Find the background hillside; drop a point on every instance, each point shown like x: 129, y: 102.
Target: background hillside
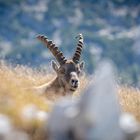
x: 24, y: 114
x: 111, y: 30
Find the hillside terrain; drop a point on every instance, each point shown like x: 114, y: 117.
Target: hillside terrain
x: 111, y: 30
x: 28, y: 111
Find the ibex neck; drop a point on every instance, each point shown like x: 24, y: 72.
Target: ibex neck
x: 58, y: 85
x: 56, y: 82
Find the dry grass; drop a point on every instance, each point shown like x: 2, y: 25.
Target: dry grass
x: 14, y: 98
x: 15, y: 95
x: 130, y: 100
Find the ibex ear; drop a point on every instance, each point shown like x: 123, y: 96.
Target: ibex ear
x: 82, y: 64
x: 55, y: 66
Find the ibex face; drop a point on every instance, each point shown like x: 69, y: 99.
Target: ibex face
x: 68, y: 74
x: 68, y: 71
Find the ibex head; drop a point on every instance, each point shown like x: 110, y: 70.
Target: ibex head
x: 68, y: 71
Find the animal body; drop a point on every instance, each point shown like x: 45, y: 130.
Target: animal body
x: 68, y: 71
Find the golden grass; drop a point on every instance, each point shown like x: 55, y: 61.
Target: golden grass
x: 13, y: 94
x: 14, y: 97
x: 130, y: 100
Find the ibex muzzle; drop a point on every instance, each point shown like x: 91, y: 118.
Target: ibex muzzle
x: 68, y: 71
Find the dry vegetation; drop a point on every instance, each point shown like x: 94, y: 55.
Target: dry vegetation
x: 130, y: 100
x: 15, y: 98
x: 18, y: 102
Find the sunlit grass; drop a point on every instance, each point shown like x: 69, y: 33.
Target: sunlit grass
x: 15, y: 96
x: 130, y: 100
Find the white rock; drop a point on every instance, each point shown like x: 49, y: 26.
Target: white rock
x: 128, y: 123
x: 42, y: 115
x: 29, y: 112
x: 5, y: 125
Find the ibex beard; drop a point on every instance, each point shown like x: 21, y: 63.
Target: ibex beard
x: 68, y: 71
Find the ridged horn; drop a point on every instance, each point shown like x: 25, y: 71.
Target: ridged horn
x: 54, y: 50
x: 77, y: 55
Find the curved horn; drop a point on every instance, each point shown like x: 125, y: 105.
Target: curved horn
x: 51, y: 46
x: 77, y: 55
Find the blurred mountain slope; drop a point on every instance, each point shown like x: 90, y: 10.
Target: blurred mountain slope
x: 111, y: 30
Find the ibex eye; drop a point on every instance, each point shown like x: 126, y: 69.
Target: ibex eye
x: 62, y: 71
x: 78, y: 72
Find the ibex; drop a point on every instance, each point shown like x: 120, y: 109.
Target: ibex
x: 68, y: 71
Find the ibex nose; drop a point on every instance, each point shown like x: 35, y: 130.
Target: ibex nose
x: 74, y: 83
